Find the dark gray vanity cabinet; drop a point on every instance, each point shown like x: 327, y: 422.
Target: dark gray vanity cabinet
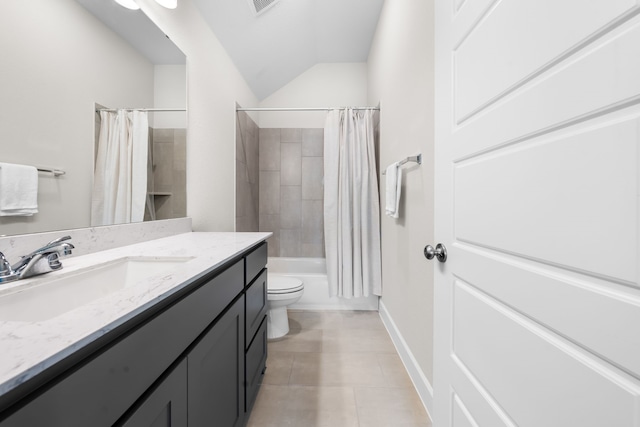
x: 196, y: 360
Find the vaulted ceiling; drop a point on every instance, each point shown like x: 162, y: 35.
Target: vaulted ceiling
x: 273, y: 48
x: 137, y: 29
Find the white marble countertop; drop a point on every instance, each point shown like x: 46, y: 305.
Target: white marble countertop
x: 29, y: 348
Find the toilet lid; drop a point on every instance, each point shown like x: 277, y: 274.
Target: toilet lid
x: 277, y: 284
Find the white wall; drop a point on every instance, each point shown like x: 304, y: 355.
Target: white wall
x: 401, y: 79
x: 214, y: 85
x: 169, y: 91
x: 323, y: 85
x: 57, y: 61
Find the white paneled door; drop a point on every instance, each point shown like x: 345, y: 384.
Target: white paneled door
x: 537, y: 308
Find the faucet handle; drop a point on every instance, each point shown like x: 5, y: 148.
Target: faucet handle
x: 5, y: 266
x: 58, y: 240
x: 49, y: 246
x: 6, y: 272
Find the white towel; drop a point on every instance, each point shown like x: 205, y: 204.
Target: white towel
x: 18, y: 190
x: 393, y: 188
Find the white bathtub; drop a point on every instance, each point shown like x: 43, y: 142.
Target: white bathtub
x: 313, y: 272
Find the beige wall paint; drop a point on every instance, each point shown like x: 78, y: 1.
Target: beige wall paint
x: 214, y: 86
x: 169, y: 91
x: 323, y: 85
x: 401, y: 79
x: 57, y: 61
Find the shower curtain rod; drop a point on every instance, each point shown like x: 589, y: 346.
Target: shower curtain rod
x: 151, y: 110
x: 304, y: 108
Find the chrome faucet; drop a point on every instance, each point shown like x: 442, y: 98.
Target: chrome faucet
x: 40, y: 261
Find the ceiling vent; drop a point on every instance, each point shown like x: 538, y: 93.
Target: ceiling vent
x: 261, y: 6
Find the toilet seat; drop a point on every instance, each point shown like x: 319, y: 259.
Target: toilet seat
x: 278, y: 285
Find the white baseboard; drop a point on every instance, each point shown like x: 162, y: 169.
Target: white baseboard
x: 420, y: 382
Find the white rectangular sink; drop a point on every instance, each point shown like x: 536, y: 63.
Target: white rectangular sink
x: 66, y: 292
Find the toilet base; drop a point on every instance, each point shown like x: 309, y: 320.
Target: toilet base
x: 277, y: 323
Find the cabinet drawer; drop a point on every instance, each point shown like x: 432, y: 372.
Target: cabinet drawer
x: 255, y: 262
x: 256, y: 306
x: 255, y: 364
x: 102, y: 389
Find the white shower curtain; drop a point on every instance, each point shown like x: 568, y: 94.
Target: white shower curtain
x: 351, y: 205
x: 120, y: 177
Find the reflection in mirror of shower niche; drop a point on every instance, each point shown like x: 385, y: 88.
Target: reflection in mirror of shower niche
x: 167, y: 183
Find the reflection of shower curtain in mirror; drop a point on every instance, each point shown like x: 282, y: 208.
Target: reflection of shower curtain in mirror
x: 120, y: 177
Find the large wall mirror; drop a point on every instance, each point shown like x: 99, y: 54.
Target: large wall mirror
x: 61, y: 59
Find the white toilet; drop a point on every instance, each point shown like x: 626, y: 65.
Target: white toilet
x: 282, y: 291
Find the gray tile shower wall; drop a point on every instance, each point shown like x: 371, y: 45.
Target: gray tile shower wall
x: 170, y: 173
x: 291, y: 191
x: 247, y: 173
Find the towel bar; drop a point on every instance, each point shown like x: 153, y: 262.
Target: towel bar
x: 55, y: 172
x: 417, y: 159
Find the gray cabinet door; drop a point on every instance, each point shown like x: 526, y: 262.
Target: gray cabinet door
x: 216, y: 373
x: 166, y: 405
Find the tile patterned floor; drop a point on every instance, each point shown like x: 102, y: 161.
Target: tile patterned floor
x: 336, y: 369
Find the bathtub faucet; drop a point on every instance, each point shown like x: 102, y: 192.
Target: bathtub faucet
x: 40, y: 261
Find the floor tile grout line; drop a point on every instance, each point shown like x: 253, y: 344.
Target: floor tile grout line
x: 355, y: 402
x: 293, y: 361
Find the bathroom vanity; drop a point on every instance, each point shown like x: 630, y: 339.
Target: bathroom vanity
x: 186, y: 347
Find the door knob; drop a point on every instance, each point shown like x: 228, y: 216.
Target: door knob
x: 439, y: 252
